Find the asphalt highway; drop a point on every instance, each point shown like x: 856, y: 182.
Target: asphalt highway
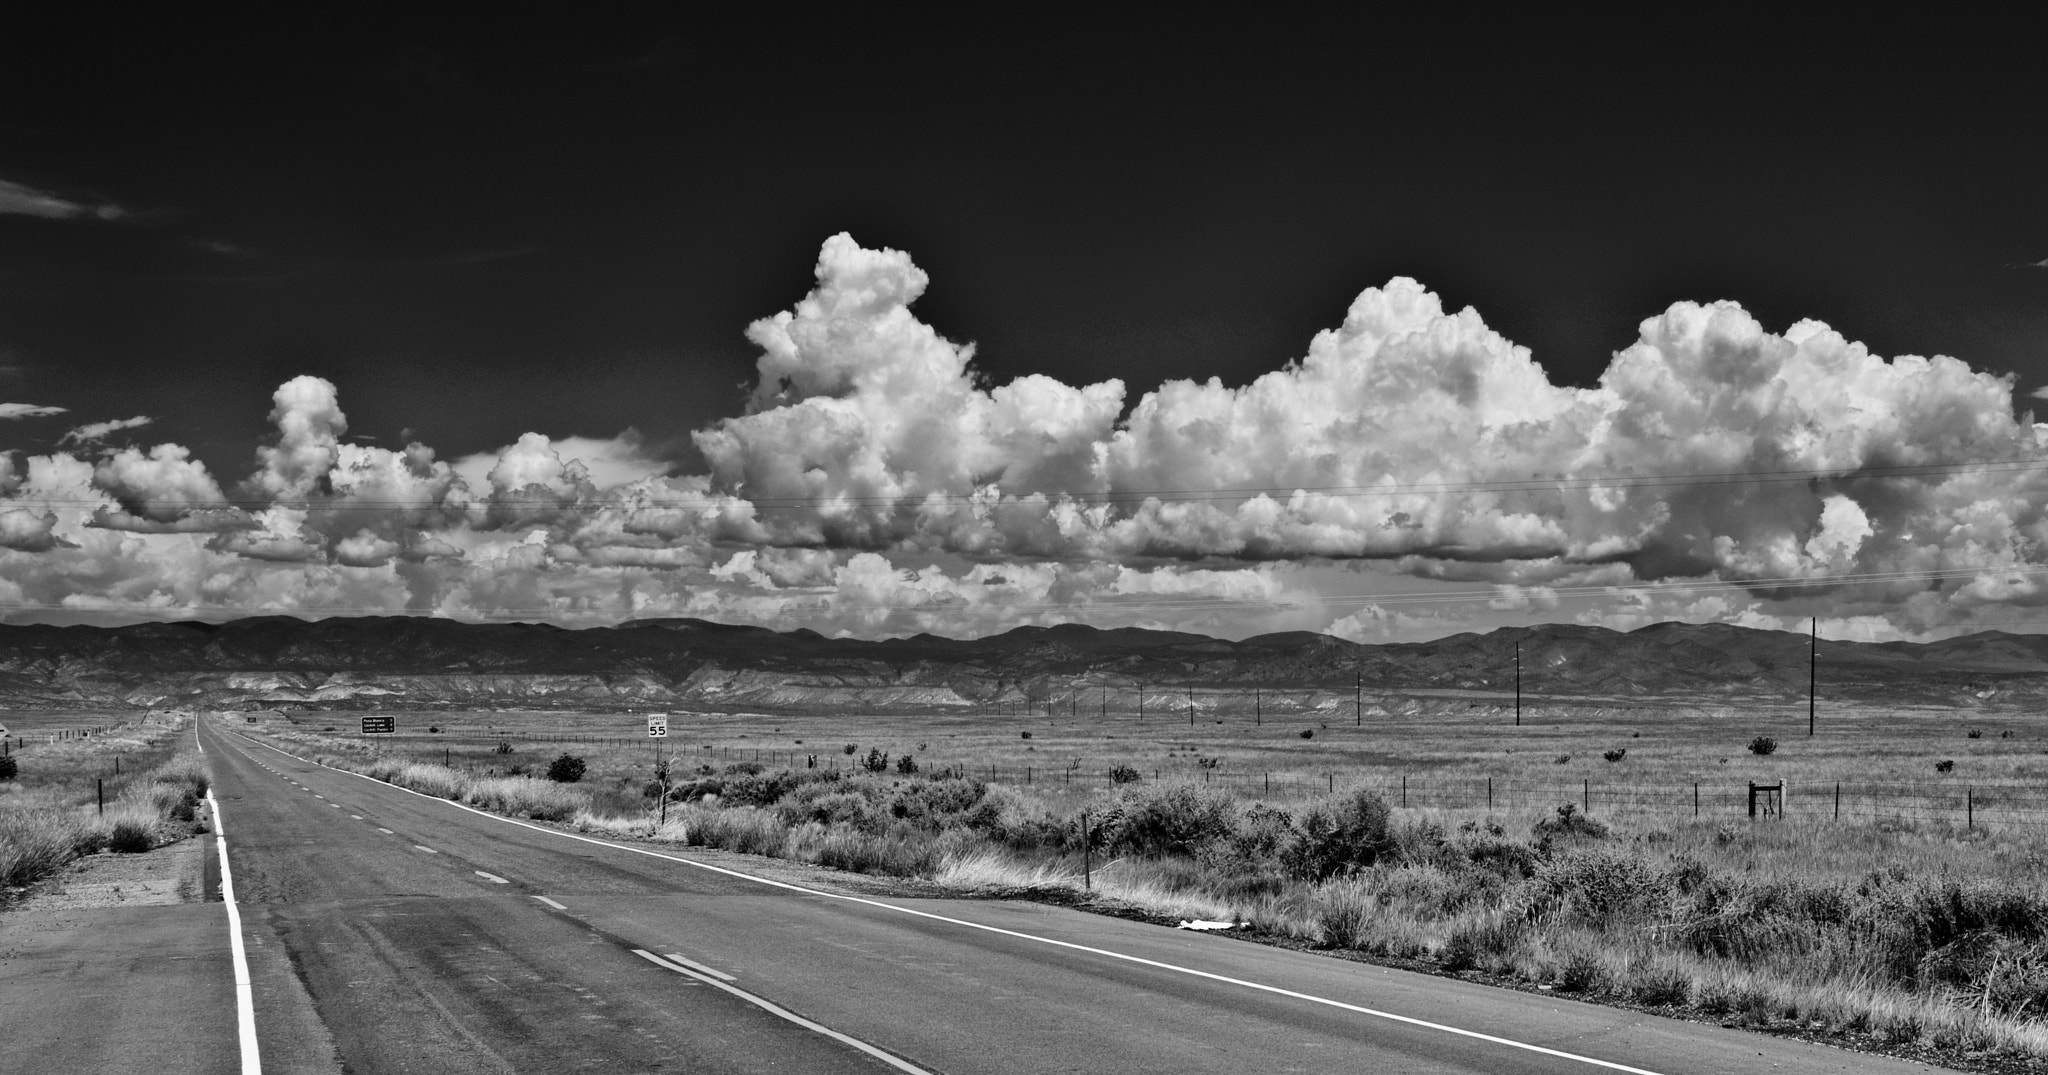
x: 394, y: 932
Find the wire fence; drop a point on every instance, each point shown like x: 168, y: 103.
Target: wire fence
x: 1966, y: 805
x: 11, y: 742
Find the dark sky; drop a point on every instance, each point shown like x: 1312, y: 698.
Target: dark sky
x: 479, y: 227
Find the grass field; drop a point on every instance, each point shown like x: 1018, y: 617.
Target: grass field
x: 1918, y: 919
x: 129, y: 788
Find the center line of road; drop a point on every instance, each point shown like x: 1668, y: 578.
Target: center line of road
x: 357, y: 817
x: 491, y: 877
x: 772, y: 1008
x: 551, y: 903
x: 387, y: 832
x: 1311, y: 998
x: 698, y: 967
x: 427, y: 849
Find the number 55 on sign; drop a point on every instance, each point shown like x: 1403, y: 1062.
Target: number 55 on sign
x: 657, y: 726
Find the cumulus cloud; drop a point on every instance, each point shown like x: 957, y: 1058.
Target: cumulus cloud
x: 26, y: 531
x: 27, y: 410
x: 876, y: 481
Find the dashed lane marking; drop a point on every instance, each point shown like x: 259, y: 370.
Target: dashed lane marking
x: 551, y: 903
x: 775, y: 1009
x: 428, y: 850
x: 699, y: 967
x: 387, y: 832
x: 357, y: 817
x: 491, y: 877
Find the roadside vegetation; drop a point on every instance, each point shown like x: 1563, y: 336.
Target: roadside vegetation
x: 1900, y: 934
x: 50, y: 811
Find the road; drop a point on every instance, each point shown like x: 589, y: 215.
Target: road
x: 393, y: 932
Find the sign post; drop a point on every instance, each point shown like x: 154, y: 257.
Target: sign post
x: 380, y: 725
x: 657, y: 730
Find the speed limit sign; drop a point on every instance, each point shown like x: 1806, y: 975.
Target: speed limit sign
x: 657, y: 725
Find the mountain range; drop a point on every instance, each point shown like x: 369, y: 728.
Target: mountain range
x: 420, y: 663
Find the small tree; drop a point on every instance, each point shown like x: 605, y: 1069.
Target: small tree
x: 566, y: 769
x: 906, y: 765
x: 850, y: 748
x: 7, y: 767
x: 876, y: 761
x: 1762, y: 745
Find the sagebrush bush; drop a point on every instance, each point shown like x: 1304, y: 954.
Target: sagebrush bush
x: 9, y: 768
x: 566, y: 769
x: 1167, y: 819
x: 1762, y: 745
x: 1339, y: 834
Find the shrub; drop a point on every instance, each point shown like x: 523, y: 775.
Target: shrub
x: 566, y: 769
x: 1208, y: 763
x: 1340, y: 834
x: 906, y: 764
x: 8, y: 767
x: 1616, y: 754
x: 433, y: 729
x: 1025, y: 735
x: 1944, y: 766
x: 131, y: 832
x: 1592, y: 883
x: 1308, y: 733
x: 876, y: 762
x: 504, y: 746
x: 1581, y: 973
x: 1973, y: 734
x: 1123, y: 774
x: 1173, y: 819
x: 1343, y: 912
x: 1662, y: 985
x: 1561, y: 759
x: 850, y: 748
x: 1569, y: 822
x: 1762, y: 745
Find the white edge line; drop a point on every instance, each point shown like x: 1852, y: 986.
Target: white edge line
x: 700, y: 968
x: 245, y: 1001
x: 777, y: 1010
x: 1273, y: 989
x: 551, y: 903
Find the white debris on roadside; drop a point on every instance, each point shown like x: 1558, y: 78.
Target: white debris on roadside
x: 1197, y: 923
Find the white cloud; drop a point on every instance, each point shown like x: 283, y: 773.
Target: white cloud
x: 99, y: 431
x: 20, y: 200
x: 877, y: 484
x: 27, y: 410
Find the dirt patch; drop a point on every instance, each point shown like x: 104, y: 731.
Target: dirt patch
x: 173, y: 873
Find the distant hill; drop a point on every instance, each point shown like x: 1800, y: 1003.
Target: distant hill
x: 402, y: 662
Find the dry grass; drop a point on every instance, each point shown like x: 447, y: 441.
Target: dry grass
x: 1922, y: 932
x: 52, y: 818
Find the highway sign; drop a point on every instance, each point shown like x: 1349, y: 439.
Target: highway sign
x: 657, y: 725
x: 379, y: 725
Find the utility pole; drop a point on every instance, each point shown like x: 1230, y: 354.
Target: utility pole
x: 1258, y: 708
x: 1357, y: 696
x: 1812, y: 675
x: 1191, y: 707
x: 1518, y: 682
